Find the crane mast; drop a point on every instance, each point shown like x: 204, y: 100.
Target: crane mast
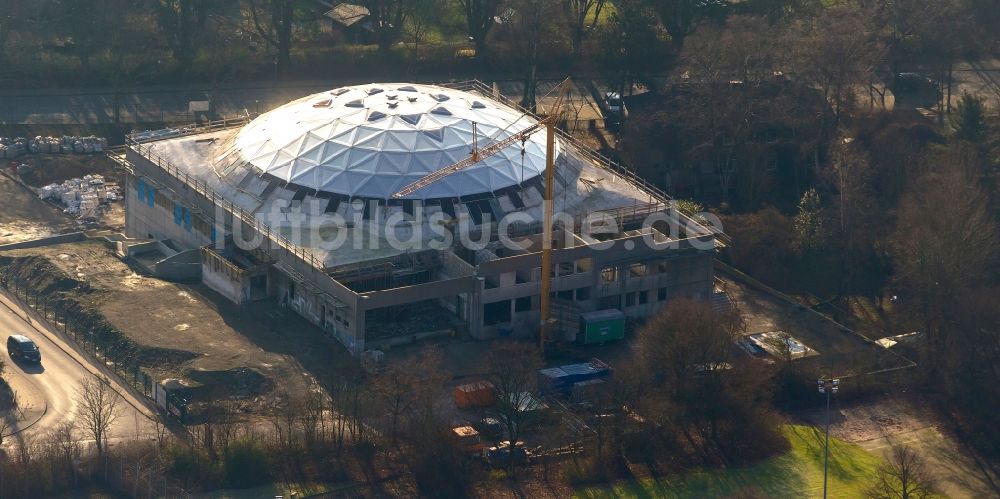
x: 549, y: 122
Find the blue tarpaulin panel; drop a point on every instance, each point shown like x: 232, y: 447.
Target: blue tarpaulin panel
x: 561, y: 379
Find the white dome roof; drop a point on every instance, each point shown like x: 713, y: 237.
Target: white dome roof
x: 373, y: 140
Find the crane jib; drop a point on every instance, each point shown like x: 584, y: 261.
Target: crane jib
x: 476, y: 156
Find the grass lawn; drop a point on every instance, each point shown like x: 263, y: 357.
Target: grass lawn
x: 797, y: 473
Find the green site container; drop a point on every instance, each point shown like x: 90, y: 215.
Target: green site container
x: 601, y: 326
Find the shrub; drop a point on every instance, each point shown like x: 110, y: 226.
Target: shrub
x: 246, y: 465
x: 191, y: 467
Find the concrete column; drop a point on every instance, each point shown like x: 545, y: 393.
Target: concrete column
x: 356, y: 337
x: 475, y: 304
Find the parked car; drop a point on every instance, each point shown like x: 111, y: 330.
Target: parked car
x: 490, y: 427
x: 615, y: 108
x: 501, y: 454
x: 19, y: 347
x: 614, y: 102
x: 914, y: 83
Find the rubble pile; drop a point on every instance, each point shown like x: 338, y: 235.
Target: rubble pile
x: 83, y: 197
x: 11, y: 148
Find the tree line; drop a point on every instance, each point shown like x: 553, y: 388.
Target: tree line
x: 849, y: 170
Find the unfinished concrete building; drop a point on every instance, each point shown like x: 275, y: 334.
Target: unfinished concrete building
x: 297, y: 205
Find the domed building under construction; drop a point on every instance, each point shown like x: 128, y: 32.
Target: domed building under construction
x: 387, y: 213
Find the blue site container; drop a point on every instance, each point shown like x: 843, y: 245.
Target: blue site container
x: 552, y: 379
x: 560, y: 380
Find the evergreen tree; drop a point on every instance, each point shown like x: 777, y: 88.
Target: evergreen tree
x: 968, y: 121
x: 809, y: 235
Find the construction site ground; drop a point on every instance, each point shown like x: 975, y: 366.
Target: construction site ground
x: 25, y: 217
x: 187, y: 331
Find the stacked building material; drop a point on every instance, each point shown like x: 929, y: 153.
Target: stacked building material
x: 68, y: 144
x: 82, y: 196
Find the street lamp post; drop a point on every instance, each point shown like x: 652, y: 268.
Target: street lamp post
x: 827, y: 386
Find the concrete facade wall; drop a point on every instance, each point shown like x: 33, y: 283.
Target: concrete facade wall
x: 158, y: 221
x: 629, y: 273
x: 636, y: 279
x: 338, y: 320
x: 312, y: 298
x: 223, y: 277
x: 223, y: 284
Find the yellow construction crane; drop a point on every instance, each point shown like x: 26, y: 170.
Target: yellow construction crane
x: 549, y: 123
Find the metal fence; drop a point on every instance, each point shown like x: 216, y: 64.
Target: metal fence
x: 94, y: 336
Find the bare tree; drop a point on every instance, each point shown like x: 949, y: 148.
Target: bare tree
x: 394, y: 388
x: 276, y: 30
x: 66, y: 447
x: 529, y: 28
x: 313, y: 419
x: 838, y: 54
x: 904, y: 476
x: 98, y: 409
x: 25, y: 454
x: 944, y: 241
x: 480, y: 16
x: 388, y: 18
x: 693, y: 388
x: 89, y: 24
x: 859, y: 223
x: 424, y: 14
x: 18, y: 17
x: 681, y: 17
x: 285, y: 416
x: 426, y: 386
x: 630, y: 46
x: 577, y: 12
x: 736, y: 102
x: 512, y: 368
x: 183, y: 24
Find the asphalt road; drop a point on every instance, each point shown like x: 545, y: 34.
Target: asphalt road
x: 170, y: 103
x: 50, y: 389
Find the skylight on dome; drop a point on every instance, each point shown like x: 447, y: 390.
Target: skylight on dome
x: 340, y: 150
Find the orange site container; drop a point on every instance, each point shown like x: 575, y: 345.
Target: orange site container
x: 478, y: 394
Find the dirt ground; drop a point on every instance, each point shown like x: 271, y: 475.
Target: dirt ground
x: 191, y: 333
x: 25, y: 217
x: 48, y: 168
x: 840, y: 352
x: 902, y: 420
